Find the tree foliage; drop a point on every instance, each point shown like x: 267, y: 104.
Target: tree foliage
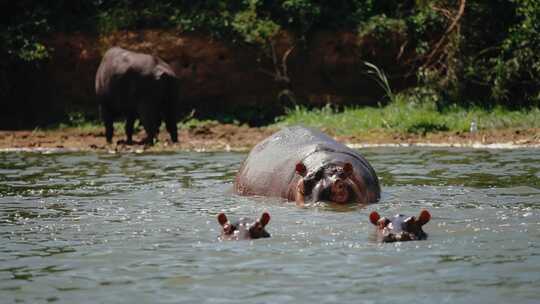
x: 485, y: 50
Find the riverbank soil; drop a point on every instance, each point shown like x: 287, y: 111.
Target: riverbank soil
x: 230, y: 137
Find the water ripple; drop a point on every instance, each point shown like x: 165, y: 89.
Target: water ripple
x: 83, y: 227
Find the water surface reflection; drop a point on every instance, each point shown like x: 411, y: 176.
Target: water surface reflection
x: 83, y: 227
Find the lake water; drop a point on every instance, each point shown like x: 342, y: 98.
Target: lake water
x: 141, y: 228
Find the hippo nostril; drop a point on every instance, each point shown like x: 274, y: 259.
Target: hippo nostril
x: 339, y: 192
x: 404, y: 236
x: 389, y: 238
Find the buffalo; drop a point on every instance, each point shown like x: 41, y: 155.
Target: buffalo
x: 137, y: 85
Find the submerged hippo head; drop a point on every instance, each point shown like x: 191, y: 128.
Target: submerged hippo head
x: 331, y: 183
x: 243, y: 229
x: 400, y: 227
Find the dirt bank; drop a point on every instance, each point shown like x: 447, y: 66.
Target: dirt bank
x: 227, y: 137
x: 216, y: 76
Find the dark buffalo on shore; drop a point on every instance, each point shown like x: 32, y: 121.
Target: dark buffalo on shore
x: 137, y: 85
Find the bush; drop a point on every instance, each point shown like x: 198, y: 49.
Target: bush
x: 489, y: 54
x: 252, y: 27
x: 516, y: 71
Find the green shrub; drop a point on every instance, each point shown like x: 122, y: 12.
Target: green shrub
x: 115, y: 19
x: 380, y: 26
x: 490, y: 57
x: 253, y: 28
x: 517, y: 68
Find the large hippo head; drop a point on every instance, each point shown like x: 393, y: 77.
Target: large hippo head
x: 244, y: 228
x: 330, y: 183
x: 400, y: 227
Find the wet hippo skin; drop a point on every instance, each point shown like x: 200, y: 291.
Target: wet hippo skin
x: 243, y: 229
x: 400, y: 227
x: 305, y: 165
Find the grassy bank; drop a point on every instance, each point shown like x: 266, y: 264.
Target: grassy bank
x: 395, y: 124
x: 481, y: 51
x: 406, y: 118
x: 399, y: 117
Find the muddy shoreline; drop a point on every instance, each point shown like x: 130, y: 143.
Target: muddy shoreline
x: 228, y: 137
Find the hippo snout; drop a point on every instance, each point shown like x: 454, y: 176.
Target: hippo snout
x: 400, y: 228
x: 390, y: 237
x: 331, y: 183
x: 244, y: 228
x: 339, y: 191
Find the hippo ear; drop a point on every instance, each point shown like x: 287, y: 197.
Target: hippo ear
x: 374, y: 218
x: 222, y: 219
x: 301, y: 169
x: 265, y: 218
x: 348, y: 169
x: 424, y: 217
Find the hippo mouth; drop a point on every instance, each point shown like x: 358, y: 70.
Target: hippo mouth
x: 390, y: 237
x: 336, y: 192
x: 330, y: 183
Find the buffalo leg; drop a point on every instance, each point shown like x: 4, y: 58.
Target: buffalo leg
x: 150, y: 120
x: 108, y: 120
x: 169, y: 108
x: 170, y: 123
x: 130, y: 121
x: 151, y: 132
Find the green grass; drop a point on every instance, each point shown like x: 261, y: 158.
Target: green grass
x: 400, y: 116
x: 405, y: 117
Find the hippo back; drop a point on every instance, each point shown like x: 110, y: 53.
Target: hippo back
x: 270, y: 167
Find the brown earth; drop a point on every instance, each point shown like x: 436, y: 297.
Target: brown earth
x: 228, y: 137
x: 216, y: 76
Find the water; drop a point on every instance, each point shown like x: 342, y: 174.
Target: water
x: 141, y: 228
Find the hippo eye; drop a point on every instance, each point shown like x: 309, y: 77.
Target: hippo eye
x: 410, y: 220
x: 308, y: 186
x: 383, y: 222
x: 342, y: 174
x: 255, y: 228
x: 409, y: 223
x: 257, y: 231
x: 319, y: 175
x: 230, y: 229
x: 314, y: 176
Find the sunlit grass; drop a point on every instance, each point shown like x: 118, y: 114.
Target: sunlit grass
x: 403, y: 117
x: 399, y: 116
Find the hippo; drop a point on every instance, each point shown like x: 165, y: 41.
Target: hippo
x: 304, y: 165
x: 244, y: 228
x: 137, y: 85
x: 400, y: 228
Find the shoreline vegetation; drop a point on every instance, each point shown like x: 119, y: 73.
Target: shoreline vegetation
x: 390, y: 72
x: 396, y: 124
